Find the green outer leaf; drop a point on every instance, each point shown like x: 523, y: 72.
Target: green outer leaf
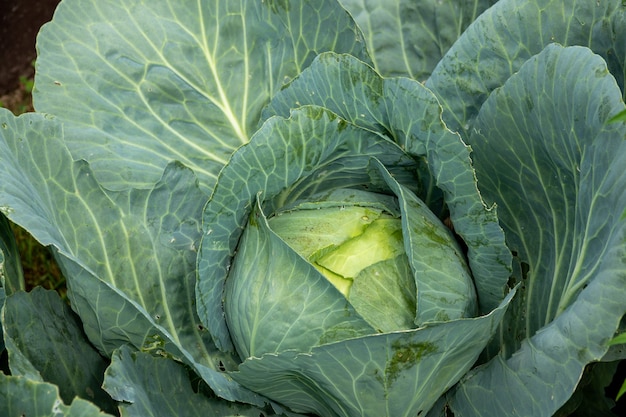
x: 354, y: 91
x: 621, y: 391
x: 11, y: 275
x: 308, y: 148
x: 445, y: 290
x: 556, y: 172
x: 269, y: 285
x: 40, y: 326
x: 129, y: 257
x: 120, y: 321
x: 148, y: 386
x: 19, y: 363
x: 392, y: 374
x: 407, y: 37
x: 145, y: 83
x: 619, y: 117
x: 20, y: 396
x: 508, y: 34
x: 590, y: 397
x: 619, y: 339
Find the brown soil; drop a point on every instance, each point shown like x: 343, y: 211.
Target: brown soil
x: 20, y: 21
x: 19, y: 100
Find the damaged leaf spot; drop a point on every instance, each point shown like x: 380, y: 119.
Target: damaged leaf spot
x: 405, y: 356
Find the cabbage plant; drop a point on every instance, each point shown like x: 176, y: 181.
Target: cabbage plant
x: 333, y: 208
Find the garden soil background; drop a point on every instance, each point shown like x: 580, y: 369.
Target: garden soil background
x: 20, y: 21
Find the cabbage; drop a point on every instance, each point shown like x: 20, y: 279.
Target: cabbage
x: 184, y: 154
x: 288, y: 214
x: 354, y: 242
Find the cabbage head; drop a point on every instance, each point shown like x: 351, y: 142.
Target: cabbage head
x: 336, y: 285
x: 356, y: 241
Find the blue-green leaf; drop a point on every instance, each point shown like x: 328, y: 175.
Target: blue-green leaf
x: 509, y: 33
x: 545, y: 154
x: 445, y: 289
x: 149, y: 386
x: 20, y: 396
x: 129, y: 257
x: 392, y: 374
x: 407, y: 37
x: 146, y: 83
x: 38, y: 327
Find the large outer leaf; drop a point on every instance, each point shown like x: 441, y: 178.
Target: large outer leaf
x: 129, y: 257
x: 151, y: 82
x: 20, y: 396
x: 148, y: 386
x: 353, y: 90
x: 392, y: 374
x: 44, y: 336
x: 544, y: 153
x: 408, y: 37
x: 512, y: 31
